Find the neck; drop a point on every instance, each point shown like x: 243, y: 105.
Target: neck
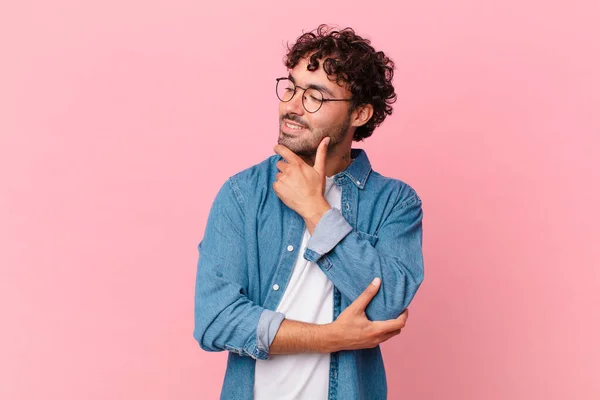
x: 337, y: 161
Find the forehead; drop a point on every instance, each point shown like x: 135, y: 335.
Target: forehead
x: 303, y: 77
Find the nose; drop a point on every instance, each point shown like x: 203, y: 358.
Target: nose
x: 294, y: 106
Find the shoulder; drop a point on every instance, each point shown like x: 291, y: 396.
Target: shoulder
x: 255, y: 177
x: 399, y: 190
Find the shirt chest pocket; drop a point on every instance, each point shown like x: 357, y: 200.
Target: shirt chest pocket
x: 371, y: 238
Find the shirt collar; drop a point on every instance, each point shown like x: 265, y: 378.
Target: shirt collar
x: 359, y: 168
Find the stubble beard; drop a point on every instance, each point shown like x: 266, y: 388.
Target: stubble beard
x: 306, y: 145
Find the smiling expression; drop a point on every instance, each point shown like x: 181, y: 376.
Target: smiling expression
x: 302, y: 131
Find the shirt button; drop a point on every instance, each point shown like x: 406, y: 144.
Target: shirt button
x: 290, y: 248
x: 347, y: 206
x: 358, y: 182
x: 275, y: 287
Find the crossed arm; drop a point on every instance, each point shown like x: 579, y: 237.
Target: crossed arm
x: 352, y: 330
x: 226, y: 319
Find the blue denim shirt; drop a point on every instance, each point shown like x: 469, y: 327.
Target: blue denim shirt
x: 249, y: 249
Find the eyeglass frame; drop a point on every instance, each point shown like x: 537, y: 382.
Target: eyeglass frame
x: 323, y: 99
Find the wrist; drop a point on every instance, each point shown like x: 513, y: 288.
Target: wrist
x: 331, y: 338
x: 314, y: 215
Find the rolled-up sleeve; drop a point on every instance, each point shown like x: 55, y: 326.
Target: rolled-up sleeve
x: 351, y: 259
x: 224, y: 317
x: 268, y: 325
x: 329, y: 231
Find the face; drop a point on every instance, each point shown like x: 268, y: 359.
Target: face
x: 302, y: 131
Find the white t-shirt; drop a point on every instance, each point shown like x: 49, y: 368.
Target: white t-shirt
x: 307, y: 298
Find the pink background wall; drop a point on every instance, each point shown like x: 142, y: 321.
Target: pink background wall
x: 115, y: 137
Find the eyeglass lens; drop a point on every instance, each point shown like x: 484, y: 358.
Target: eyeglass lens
x: 312, y: 99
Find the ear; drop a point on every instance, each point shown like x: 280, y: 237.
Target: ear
x: 361, y: 115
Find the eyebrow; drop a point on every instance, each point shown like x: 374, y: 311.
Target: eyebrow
x: 314, y: 86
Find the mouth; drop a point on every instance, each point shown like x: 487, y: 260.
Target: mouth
x: 292, y: 127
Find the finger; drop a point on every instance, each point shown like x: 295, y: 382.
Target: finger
x: 391, y: 324
x: 390, y: 335
x: 281, y: 165
x: 287, y: 154
x: 321, y: 156
x: 363, y: 300
x: 403, y: 317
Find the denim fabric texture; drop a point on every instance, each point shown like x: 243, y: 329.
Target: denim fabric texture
x: 250, y: 246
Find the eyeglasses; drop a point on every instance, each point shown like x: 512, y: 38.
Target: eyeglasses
x: 312, y: 99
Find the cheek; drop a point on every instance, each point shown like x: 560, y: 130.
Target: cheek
x: 324, y: 121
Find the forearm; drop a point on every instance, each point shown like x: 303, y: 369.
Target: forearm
x: 302, y: 337
x: 350, y: 259
x: 400, y: 277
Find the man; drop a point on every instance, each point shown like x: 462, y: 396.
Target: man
x: 310, y: 258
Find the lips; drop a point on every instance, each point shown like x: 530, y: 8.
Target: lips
x: 293, y: 125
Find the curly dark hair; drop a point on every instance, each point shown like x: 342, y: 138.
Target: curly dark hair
x: 350, y: 59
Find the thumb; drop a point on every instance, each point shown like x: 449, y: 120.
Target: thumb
x: 367, y: 295
x: 321, y: 156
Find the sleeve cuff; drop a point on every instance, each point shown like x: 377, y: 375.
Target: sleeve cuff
x: 329, y: 231
x: 267, y: 327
